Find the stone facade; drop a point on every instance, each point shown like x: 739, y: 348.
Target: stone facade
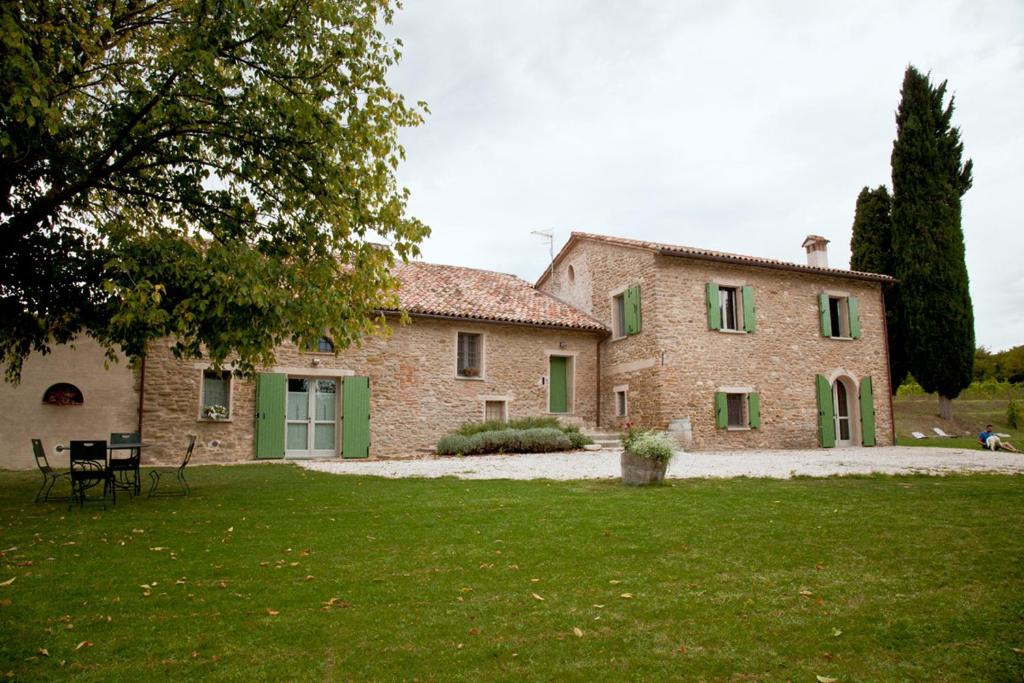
x: 110, y: 403
x: 415, y: 395
x: 674, y: 367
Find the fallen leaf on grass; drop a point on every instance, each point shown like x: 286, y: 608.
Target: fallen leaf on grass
x: 84, y: 643
x: 230, y: 529
x: 8, y: 582
x: 577, y: 631
x: 222, y: 584
x: 537, y: 597
x: 806, y: 593
x: 474, y: 631
x: 614, y: 581
x: 310, y: 577
x: 195, y: 654
x: 1018, y: 650
x: 43, y: 652
x: 6, y: 602
x: 627, y: 596
x: 304, y: 553
x: 159, y: 548
x: 272, y: 612
x: 599, y: 606
x: 264, y: 564
x: 836, y: 633
x: 336, y: 602
x: 681, y: 649
x: 826, y: 679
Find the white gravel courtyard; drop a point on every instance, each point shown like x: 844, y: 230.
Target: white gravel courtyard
x: 774, y: 464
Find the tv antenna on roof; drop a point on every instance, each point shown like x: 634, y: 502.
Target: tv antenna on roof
x: 549, y: 235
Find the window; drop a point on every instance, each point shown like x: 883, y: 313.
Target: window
x: 63, y: 394
x: 731, y: 307
x: 216, y: 398
x: 469, y: 361
x: 495, y: 411
x: 626, y: 312
x: 737, y: 410
x: 620, y: 403
x: 323, y: 345
x: 840, y: 316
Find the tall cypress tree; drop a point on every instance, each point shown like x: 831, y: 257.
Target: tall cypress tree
x: 871, y: 252
x: 928, y: 180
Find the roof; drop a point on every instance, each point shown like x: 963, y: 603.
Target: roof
x: 709, y: 255
x: 428, y: 289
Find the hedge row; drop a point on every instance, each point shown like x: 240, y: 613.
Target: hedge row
x: 536, y: 440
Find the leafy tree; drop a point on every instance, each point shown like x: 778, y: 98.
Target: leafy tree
x: 211, y: 171
x: 928, y: 180
x: 871, y: 252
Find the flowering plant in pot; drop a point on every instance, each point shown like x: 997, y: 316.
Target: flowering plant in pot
x: 645, y: 455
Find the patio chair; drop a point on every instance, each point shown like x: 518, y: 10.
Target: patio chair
x: 50, y: 475
x: 126, y: 470
x: 88, y: 470
x: 179, y: 474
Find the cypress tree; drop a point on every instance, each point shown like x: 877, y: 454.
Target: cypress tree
x: 928, y: 180
x: 871, y: 252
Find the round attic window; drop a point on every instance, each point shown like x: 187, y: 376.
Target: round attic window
x: 63, y: 394
x: 572, y: 274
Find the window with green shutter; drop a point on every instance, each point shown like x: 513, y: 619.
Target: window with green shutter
x: 840, y: 316
x: 749, y: 310
x: 737, y: 410
x: 631, y: 301
x: 714, y: 307
x: 731, y: 307
x: 826, y: 412
x: 753, y: 410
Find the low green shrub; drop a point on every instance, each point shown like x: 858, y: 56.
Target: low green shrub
x: 471, y: 428
x: 577, y: 438
x: 536, y: 440
x: 1014, y: 414
x: 453, y: 444
x: 653, y: 445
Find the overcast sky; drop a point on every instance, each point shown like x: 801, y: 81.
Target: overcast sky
x: 737, y: 126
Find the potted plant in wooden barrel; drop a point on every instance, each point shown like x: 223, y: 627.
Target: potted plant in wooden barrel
x: 645, y: 456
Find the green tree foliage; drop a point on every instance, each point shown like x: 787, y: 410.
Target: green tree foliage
x: 211, y: 171
x: 928, y: 180
x: 871, y: 252
x: 1003, y: 366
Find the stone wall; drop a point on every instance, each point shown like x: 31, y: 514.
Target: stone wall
x: 111, y: 403
x: 674, y: 367
x: 415, y: 395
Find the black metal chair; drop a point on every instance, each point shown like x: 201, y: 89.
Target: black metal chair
x: 179, y: 474
x: 50, y: 475
x: 126, y: 470
x: 88, y: 470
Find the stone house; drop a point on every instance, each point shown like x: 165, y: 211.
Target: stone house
x: 748, y: 352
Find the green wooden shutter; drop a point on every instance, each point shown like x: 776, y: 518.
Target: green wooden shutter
x: 558, y: 395
x: 823, y: 314
x: 631, y: 300
x: 749, y: 311
x: 754, y: 410
x: 826, y: 415
x: 270, y: 397
x: 714, y: 309
x: 355, y: 417
x: 867, y: 412
x: 721, y: 411
x: 854, y: 307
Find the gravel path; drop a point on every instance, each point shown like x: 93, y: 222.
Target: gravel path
x: 774, y: 464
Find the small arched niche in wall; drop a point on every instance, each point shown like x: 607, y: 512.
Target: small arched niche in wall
x: 63, y: 394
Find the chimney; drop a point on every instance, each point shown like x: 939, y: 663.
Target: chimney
x: 817, y: 251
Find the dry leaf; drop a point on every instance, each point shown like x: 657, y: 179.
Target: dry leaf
x: 6, y: 602
x: 84, y: 643
x: 614, y: 581
x: 222, y: 584
x: 8, y: 582
x: 806, y: 593
x: 230, y: 529
x: 310, y: 577
x: 194, y: 654
x: 293, y: 564
x: 159, y: 548
x: 681, y: 649
x: 272, y: 612
x: 599, y: 606
x: 304, y: 553
x: 534, y: 580
x: 836, y: 633
x: 1018, y: 650
x: 474, y: 631
x: 627, y: 596
x: 577, y: 631
x: 43, y: 652
x: 537, y: 597
x: 264, y: 564
x: 826, y: 679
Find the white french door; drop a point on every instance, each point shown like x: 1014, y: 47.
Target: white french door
x: 842, y: 412
x: 311, y: 417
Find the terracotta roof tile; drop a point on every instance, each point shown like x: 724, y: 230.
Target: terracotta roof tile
x: 691, y: 252
x: 452, y: 291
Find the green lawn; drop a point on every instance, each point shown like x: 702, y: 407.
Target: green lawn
x: 269, y: 572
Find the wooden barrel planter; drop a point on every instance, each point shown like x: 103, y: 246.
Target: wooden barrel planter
x: 640, y: 471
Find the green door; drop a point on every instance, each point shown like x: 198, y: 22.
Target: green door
x: 867, y: 412
x: 270, y: 415
x: 558, y: 401
x: 826, y: 413
x: 355, y: 417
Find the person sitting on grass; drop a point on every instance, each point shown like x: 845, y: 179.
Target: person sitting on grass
x: 990, y: 440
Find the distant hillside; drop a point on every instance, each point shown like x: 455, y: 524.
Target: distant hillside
x: 1004, y: 366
